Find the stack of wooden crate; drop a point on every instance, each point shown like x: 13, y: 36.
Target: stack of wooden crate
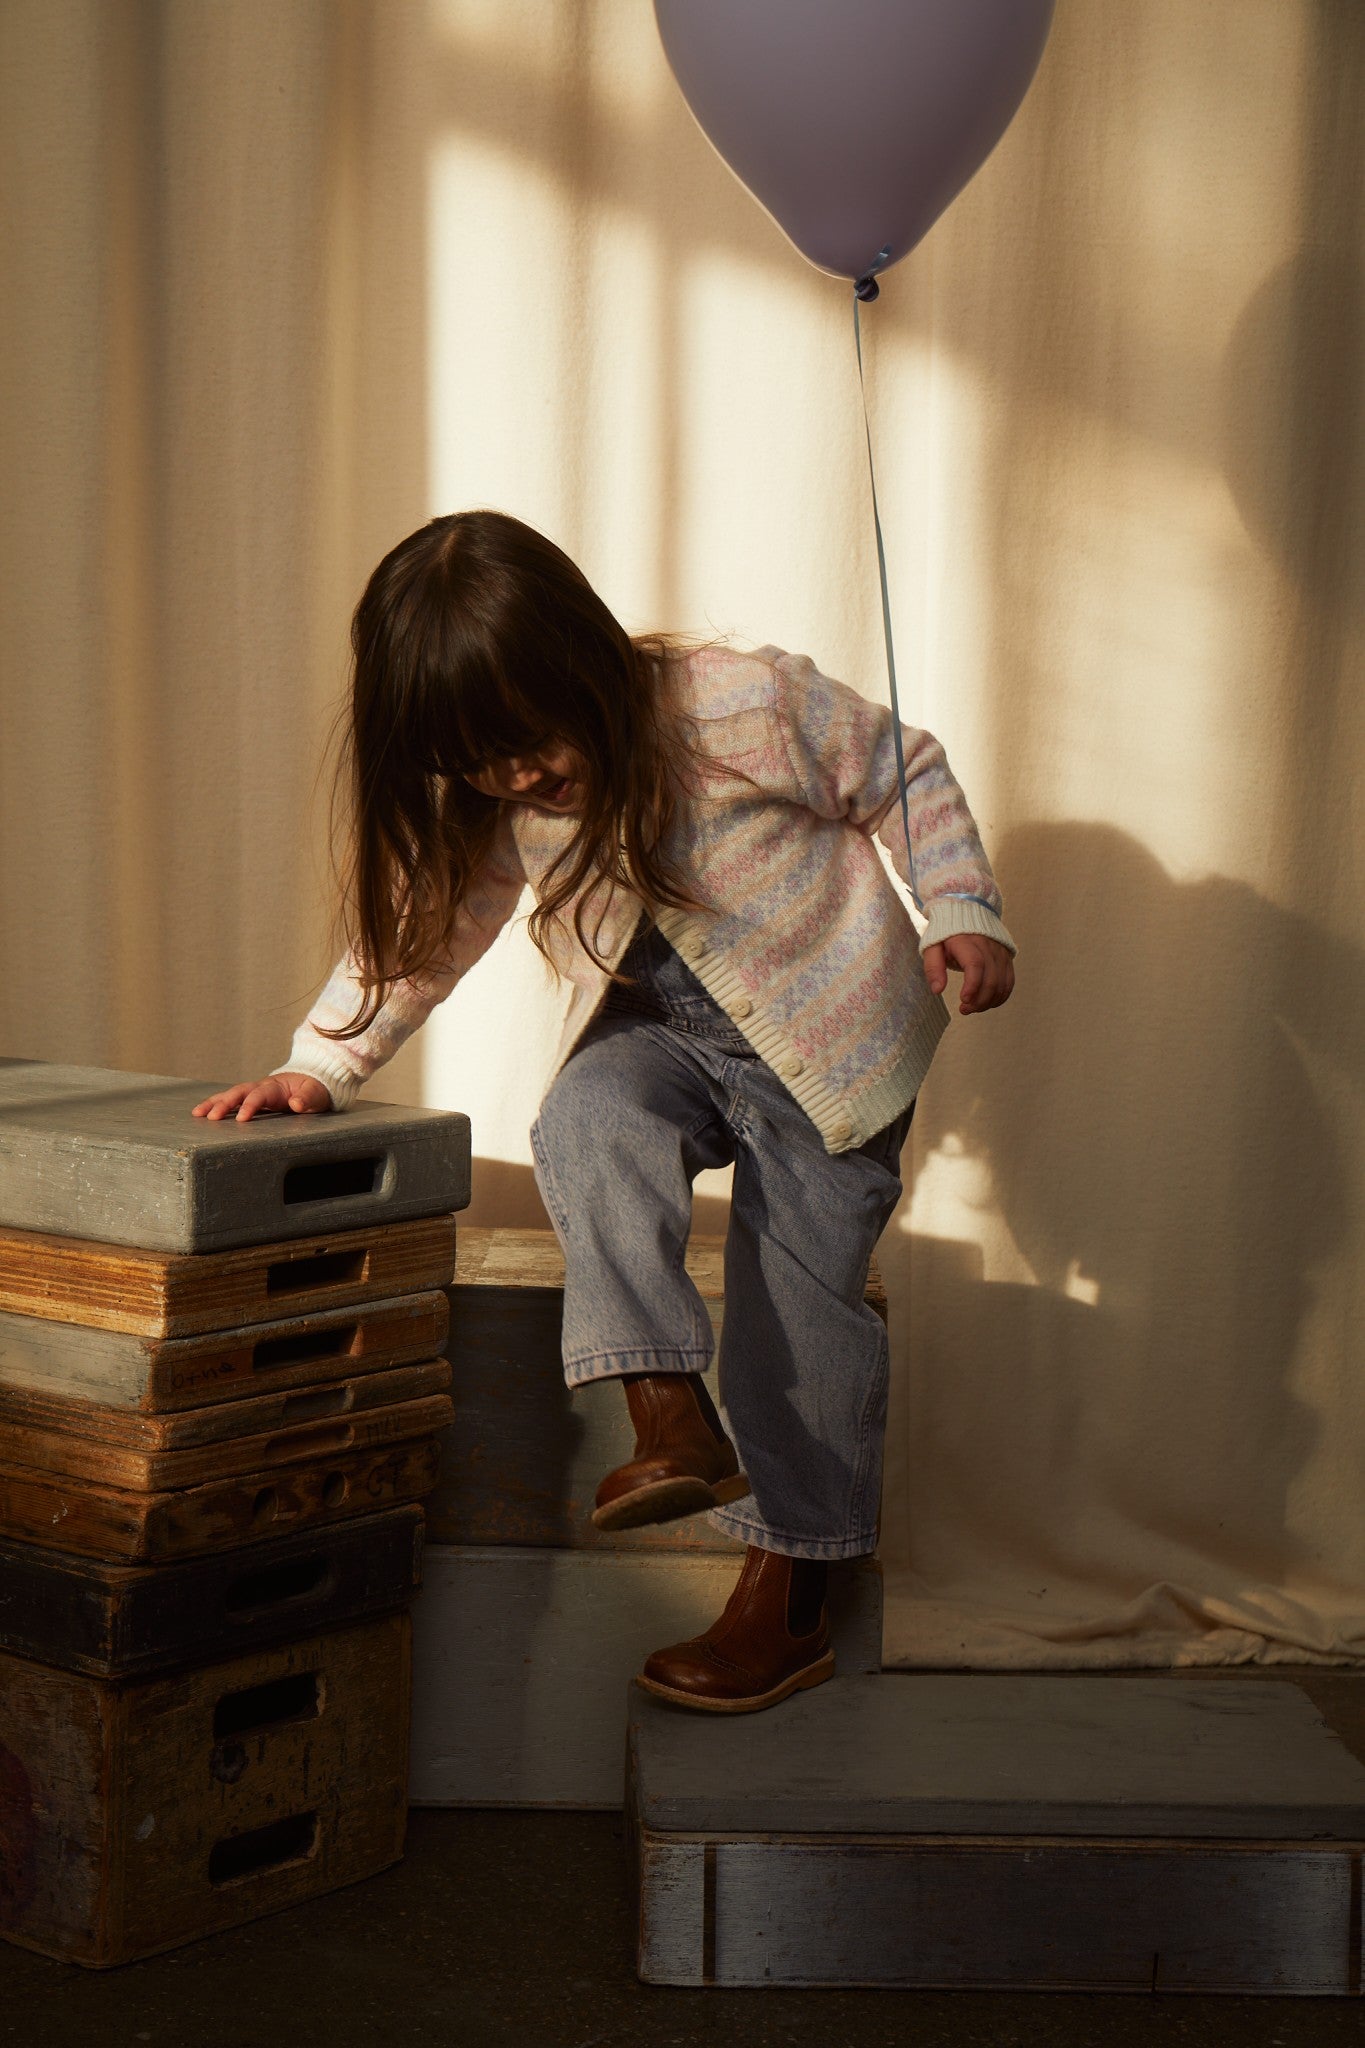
x: 532, y: 1622
x: 221, y: 1387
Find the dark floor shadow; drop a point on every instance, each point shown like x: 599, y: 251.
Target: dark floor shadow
x: 1154, y: 1142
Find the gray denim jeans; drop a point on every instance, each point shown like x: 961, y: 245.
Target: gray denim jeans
x: 661, y: 1085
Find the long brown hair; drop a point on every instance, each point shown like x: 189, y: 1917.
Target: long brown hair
x: 477, y: 638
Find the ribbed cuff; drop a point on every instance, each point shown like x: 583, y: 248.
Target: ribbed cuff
x: 339, y: 1082
x: 951, y: 914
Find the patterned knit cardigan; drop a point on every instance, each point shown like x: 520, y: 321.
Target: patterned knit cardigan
x: 808, y: 945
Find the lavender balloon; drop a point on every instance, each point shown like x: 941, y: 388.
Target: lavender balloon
x: 854, y: 122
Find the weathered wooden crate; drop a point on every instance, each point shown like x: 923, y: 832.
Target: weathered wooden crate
x: 260, y: 1414
x: 89, y: 1152
x: 141, y: 1469
x: 153, y: 1376
x: 140, y: 1815
x: 173, y: 1294
x: 523, y: 1459
x: 137, y: 1528
x: 121, y: 1620
x: 522, y: 1659
x: 1071, y: 1832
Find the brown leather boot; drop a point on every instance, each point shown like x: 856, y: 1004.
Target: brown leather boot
x: 684, y: 1462
x: 772, y: 1640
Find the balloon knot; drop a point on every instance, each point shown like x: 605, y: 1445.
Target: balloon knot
x: 866, y: 287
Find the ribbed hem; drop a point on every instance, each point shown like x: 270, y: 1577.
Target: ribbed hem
x: 875, y: 1106
x: 843, y: 1121
x: 339, y: 1082
x: 949, y: 915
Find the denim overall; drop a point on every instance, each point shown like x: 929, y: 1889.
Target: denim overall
x: 661, y: 1085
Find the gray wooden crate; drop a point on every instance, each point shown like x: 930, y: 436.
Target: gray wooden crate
x: 1075, y: 1832
x: 523, y: 1459
x: 522, y: 1661
x: 93, y: 1153
x: 160, y: 1375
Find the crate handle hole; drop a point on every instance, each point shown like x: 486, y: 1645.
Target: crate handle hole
x: 316, y: 1269
x: 317, y: 1402
x: 276, y: 1351
x: 266, y: 1505
x: 283, y: 1841
x: 297, y: 1697
x: 335, y: 1488
x: 310, y: 1440
x: 278, y: 1585
x: 332, y: 1180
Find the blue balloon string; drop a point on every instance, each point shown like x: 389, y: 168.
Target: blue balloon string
x: 886, y: 595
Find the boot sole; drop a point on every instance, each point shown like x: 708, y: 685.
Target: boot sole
x: 812, y: 1674
x: 668, y: 1500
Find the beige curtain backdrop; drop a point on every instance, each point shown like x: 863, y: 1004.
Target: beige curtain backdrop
x: 283, y: 277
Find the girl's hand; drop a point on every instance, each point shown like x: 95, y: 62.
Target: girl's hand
x: 299, y: 1092
x: 987, y: 970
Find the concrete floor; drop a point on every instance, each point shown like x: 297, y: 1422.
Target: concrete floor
x: 516, y: 1927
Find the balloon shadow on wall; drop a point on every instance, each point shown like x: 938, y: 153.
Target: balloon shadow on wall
x: 1293, y: 426
x: 1293, y: 410
x: 1165, y: 1167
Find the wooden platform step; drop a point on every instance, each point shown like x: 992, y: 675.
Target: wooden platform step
x: 142, y: 1469
x: 118, y: 1621
x: 1081, y: 1832
x: 522, y: 1659
x: 267, y: 1412
x: 160, y: 1376
x: 173, y: 1294
x: 139, y: 1528
x: 141, y: 1814
x: 90, y: 1152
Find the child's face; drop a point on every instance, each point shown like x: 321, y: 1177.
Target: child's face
x: 550, y: 779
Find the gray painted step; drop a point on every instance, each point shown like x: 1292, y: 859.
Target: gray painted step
x: 523, y: 1661
x: 94, y: 1153
x: 974, y: 1754
x: 159, y: 1375
x: 980, y: 1832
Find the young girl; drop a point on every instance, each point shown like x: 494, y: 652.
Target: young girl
x: 697, y: 827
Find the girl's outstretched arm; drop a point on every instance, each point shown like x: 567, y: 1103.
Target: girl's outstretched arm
x: 344, y: 1065
x: 329, y: 1072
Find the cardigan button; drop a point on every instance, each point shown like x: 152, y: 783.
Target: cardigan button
x: 790, y: 1067
x: 841, y: 1132
x: 743, y: 1008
